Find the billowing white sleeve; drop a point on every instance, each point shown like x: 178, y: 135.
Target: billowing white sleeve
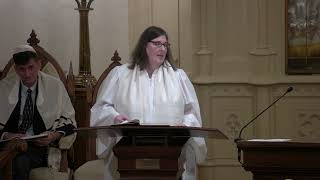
x: 192, y: 117
x: 103, y: 112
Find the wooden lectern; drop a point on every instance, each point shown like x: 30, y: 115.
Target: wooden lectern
x: 274, y: 160
x: 150, y: 152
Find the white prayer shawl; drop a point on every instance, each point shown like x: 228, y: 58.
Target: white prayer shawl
x: 52, y: 100
x: 168, y: 97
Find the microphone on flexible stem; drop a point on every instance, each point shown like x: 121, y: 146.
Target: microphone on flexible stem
x: 239, y: 137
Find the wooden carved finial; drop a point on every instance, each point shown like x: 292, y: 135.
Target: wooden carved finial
x: 33, y: 40
x: 70, y: 73
x: 116, y: 57
x: 70, y: 82
x: 83, y: 4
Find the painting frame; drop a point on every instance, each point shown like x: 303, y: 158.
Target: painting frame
x: 302, y: 36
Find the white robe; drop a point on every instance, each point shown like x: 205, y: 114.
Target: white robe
x: 167, y: 95
x: 52, y: 101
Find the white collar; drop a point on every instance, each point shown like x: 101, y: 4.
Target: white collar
x: 24, y: 88
x: 13, y: 96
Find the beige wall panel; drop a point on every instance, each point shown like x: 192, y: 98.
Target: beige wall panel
x: 165, y: 15
x: 276, y: 35
x: 226, y: 107
x: 223, y: 168
x: 140, y: 17
x: 298, y: 115
x: 162, y: 13
x: 189, y: 35
x: 185, y: 34
x: 231, y: 107
x: 108, y: 32
x: 230, y: 113
x: 230, y: 173
x: 233, y: 35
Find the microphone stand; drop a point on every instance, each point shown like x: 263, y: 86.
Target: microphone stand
x: 239, y: 137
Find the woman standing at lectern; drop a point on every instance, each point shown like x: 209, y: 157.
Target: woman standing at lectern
x: 150, y: 88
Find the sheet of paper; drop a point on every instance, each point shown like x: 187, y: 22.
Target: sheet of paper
x: 34, y: 136
x: 269, y: 140
x: 128, y: 122
x: 28, y: 137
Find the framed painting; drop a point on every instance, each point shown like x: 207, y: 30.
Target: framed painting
x: 302, y: 36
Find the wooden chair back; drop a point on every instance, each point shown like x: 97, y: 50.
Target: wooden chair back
x: 115, y: 62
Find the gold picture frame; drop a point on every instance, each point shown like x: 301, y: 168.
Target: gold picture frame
x: 302, y: 36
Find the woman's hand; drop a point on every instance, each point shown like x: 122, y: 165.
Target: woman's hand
x: 120, y: 118
x: 45, y: 141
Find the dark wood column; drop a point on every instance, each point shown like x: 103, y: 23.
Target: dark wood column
x: 84, y: 148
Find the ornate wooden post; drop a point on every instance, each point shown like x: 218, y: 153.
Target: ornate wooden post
x: 84, y: 148
x: 84, y: 79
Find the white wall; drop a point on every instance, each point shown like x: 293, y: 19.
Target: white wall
x: 57, y: 25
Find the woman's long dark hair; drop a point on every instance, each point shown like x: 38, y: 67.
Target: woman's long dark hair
x: 139, y: 55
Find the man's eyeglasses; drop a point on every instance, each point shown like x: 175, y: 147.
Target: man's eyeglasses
x: 159, y: 44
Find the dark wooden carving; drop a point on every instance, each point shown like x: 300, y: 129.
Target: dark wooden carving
x: 84, y: 149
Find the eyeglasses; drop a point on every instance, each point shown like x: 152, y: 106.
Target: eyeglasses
x: 159, y: 44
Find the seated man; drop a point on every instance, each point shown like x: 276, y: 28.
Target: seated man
x: 33, y: 103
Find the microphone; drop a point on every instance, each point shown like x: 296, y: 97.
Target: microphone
x: 239, y: 137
